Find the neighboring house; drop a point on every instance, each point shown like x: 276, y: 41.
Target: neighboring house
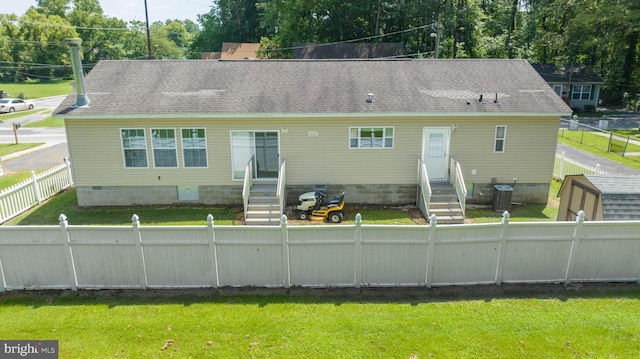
x: 233, y: 51
x: 347, y: 50
x: 578, y: 87
x: 210, y: 56
x: 167, y: 132
x: 602, y: 198
x: 239, y: 51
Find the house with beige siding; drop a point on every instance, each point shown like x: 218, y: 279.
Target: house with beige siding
x: 389, y: 132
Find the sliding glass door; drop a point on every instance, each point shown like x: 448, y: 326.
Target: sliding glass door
x: 264, y: 146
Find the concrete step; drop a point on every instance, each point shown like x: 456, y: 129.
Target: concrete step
x: 446, y: 211
x: 444, y: 203
x: 268, y: 213
x: 264, y: 199
x: 450, y: 219
x: 262, y: 221
x: 263, y: 189
x: 447, y: 204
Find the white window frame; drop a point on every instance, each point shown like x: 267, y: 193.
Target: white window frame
x: 582, y: 94
x: 496, y: 139
x: 358, y: 137
x: 154, y: 147
x: 125, y: 149
x: 185, y: 148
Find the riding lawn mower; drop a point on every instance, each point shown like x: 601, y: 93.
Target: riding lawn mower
x: 311, y: 205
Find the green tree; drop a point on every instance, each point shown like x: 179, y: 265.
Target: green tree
x: 43, y: 44
x: 53, y: 7
x: 228, y: 21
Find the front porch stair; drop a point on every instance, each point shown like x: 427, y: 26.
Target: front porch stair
x: 264, y: 205
x: 444, y: 204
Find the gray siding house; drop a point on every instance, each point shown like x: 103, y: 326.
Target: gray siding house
x: 577, y: 86
x: 166, y: 132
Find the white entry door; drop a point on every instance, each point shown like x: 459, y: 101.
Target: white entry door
x: 435, y: 151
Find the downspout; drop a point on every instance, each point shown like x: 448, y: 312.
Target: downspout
x: 81, y: 98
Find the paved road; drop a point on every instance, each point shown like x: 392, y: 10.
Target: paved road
x: 51, y: 154
x: 612, y: 168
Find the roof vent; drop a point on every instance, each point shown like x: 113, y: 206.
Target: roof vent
x: 496, y: 100
x: 370, y: 98
x: 480, y: 99
x: 81, y: 98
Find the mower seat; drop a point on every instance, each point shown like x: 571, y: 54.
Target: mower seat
x: 336, y: 201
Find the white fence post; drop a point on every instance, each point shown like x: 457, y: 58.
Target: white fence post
x: 502, y: 248
x: 358, y: 248
x: 286, y: 270
x: 36, y: 187
x: 561, y: 169
x: 575, y: 244
x: 67, y: 248
x: 213, y: 251
x: 431, y: 246
x: 67, y: 162
x: 137, y: 238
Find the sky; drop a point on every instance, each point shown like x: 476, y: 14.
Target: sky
x: 159, y: 10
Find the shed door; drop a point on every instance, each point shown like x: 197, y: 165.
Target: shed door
x: 435, y: 151
x: 582, y: 198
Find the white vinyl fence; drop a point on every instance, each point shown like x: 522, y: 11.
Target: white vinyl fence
x: 565, y: 166
x: 77, y: 257
x: 30, y: 192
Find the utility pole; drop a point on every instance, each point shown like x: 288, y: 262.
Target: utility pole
x: 437, y: 35
x: 146, y: 13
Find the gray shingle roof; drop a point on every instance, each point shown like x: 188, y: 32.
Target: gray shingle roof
x: 218, y: 88
x: 620, y: 196
x: 569, y: 73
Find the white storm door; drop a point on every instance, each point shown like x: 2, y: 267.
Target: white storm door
x: 435, y: 151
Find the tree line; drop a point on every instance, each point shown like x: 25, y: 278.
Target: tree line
x: 602, y: 35
x: 32, y: 45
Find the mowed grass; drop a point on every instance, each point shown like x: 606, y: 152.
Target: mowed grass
x: 8, y: 148
x: 594, y: 321
x: 598, y: 145
x: 520, y: 212
x: 47, y: 122
x: 66, y: 203
x: 34, y: 89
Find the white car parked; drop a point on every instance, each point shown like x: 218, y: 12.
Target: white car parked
x: 15, y: 104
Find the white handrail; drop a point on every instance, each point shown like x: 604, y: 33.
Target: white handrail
x: 280, y: 191
x: 423, y: 183
x: 248, y: 182
x: 458, y: 183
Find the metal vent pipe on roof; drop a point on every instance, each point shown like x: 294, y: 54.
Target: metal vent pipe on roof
x: 78, y: 75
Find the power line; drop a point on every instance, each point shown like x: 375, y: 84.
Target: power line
x: 356, y: 40
x: 71, y: 26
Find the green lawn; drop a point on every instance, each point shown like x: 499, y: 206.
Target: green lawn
x: 66, y: 203
x: 47, y: 122
x: 520, y: 213
x: 8, y: 148
x: 598, y: 142
x: 32, y: 89
x: 542, y: 321
x: 629, y: 161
